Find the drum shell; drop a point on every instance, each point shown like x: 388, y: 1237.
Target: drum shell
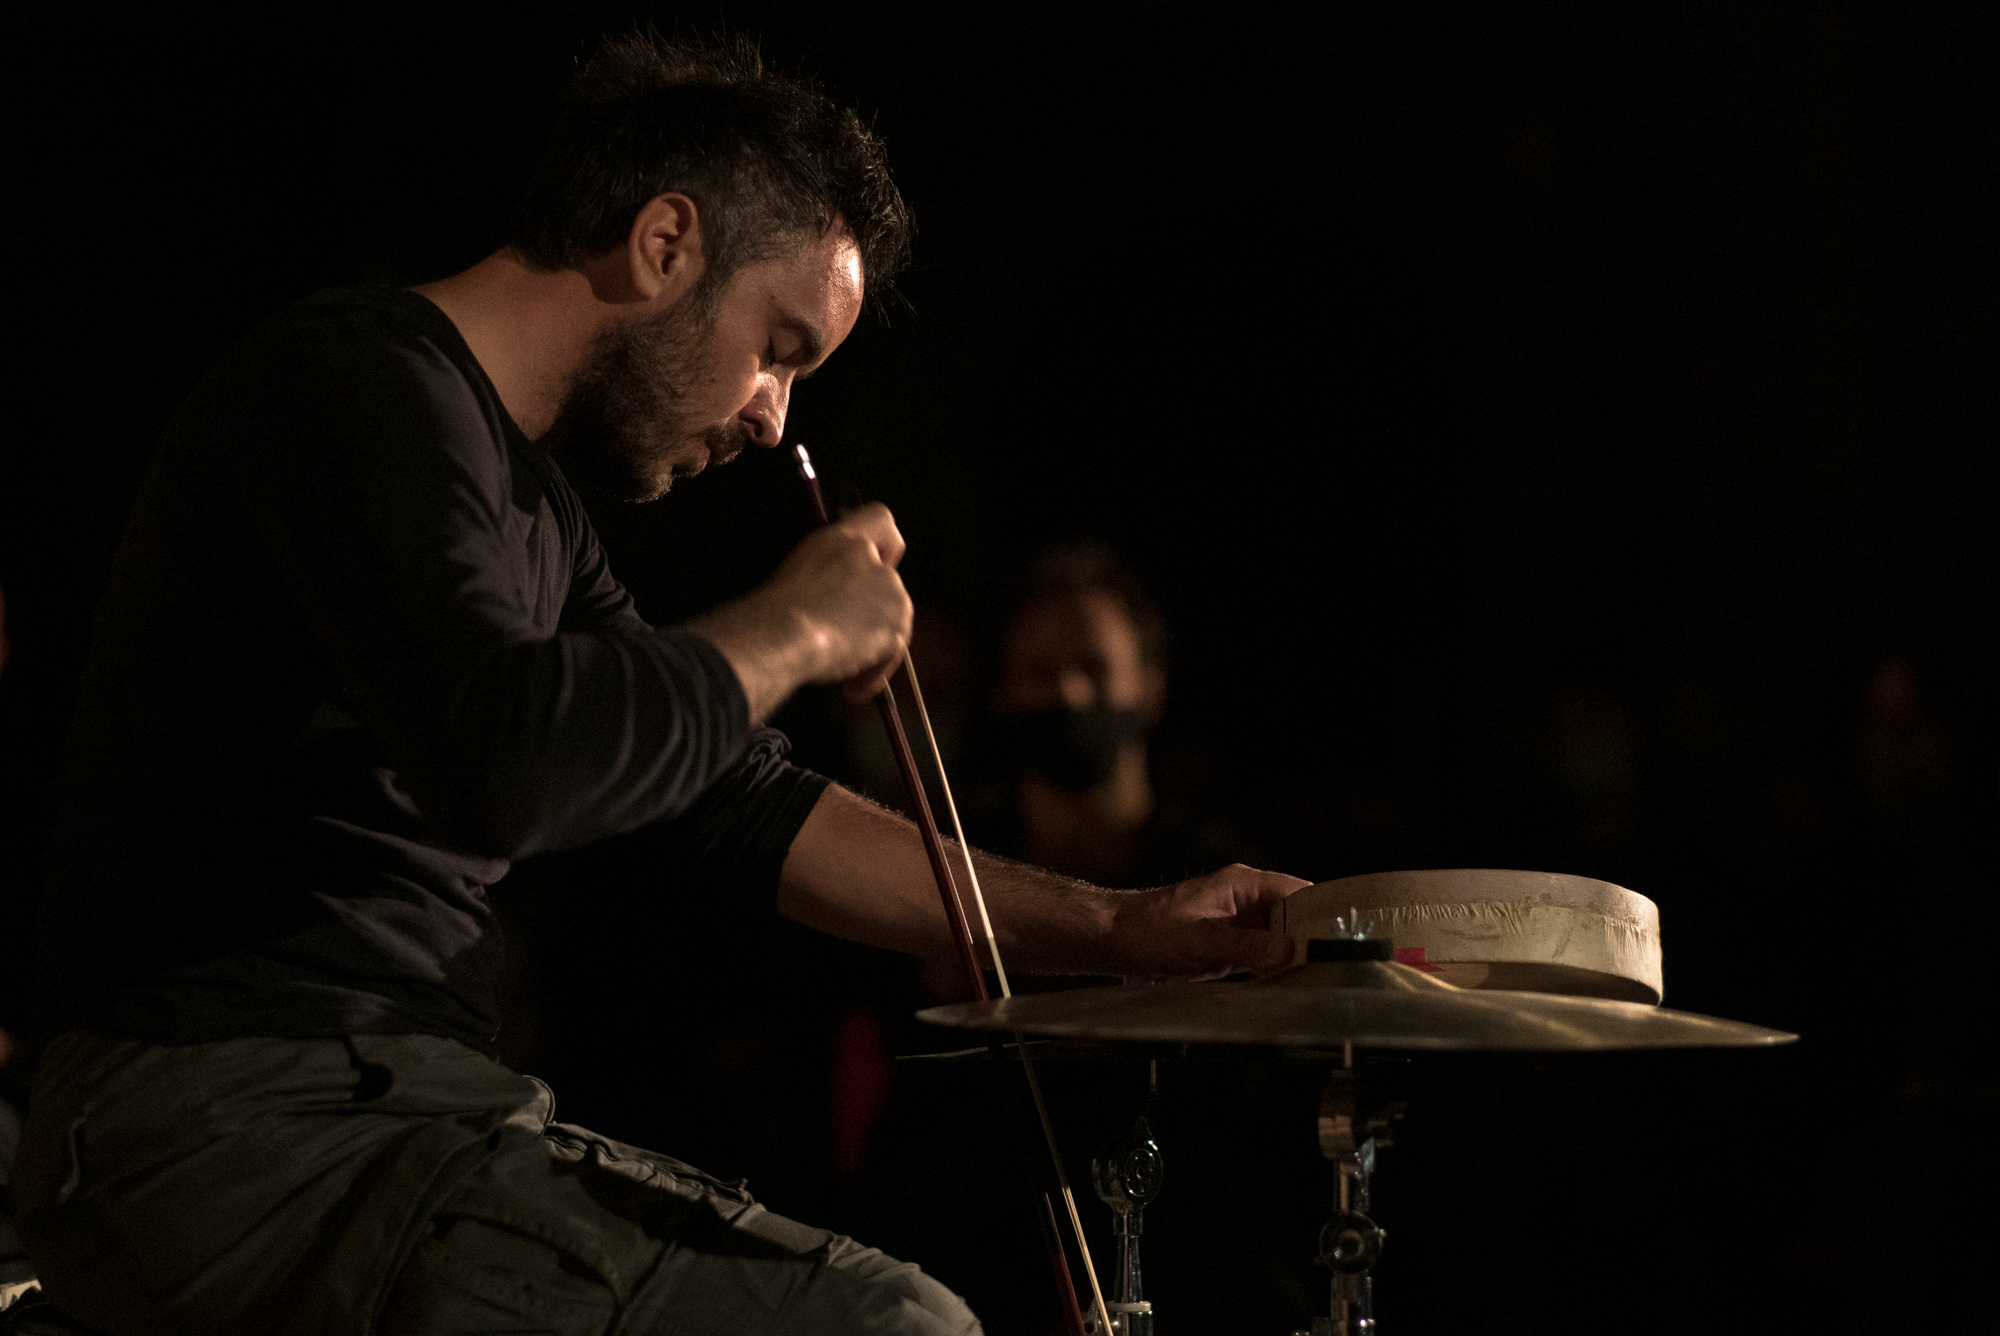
x: 1498, y: 928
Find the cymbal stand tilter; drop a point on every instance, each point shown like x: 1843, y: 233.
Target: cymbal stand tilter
x: 1127, y: 1177
x: 1349, y: 1136
x: 1350, y: 1242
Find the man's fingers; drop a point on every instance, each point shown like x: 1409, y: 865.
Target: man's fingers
x: 1209, y: 927
x: 1261, y: 952
x: 1252, y: 949
x: 1248, y: 892
x: 1270, y: 887
x: 864, y: 687
x: 878, y: 526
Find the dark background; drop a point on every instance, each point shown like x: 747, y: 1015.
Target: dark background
x: 1561, y: 436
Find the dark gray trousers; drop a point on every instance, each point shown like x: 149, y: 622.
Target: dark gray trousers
x: 402, y: 1184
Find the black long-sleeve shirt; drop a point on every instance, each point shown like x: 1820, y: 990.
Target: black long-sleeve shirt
x: 360, y: 649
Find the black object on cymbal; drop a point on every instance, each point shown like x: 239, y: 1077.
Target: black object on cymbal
x: 1369, y: 1003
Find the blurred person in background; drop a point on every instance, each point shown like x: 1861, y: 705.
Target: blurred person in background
x: 1083, y: 682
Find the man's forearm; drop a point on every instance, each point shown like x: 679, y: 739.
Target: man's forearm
x: 860, y: 872
x: 835, y: 611
x: 771, y: 654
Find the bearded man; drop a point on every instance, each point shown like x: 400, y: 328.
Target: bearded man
x: 360, y: 650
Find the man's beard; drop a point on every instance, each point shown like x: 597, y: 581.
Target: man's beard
x: 625, y: 413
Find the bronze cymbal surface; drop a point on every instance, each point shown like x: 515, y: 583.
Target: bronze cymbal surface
x: 1372, y: 1004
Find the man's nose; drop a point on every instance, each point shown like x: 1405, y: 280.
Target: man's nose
x: 1078, y: 691
x: 764, y: 416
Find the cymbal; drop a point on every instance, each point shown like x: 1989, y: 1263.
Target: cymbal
x: 1113, y: 1050
x: 1370, y: 1003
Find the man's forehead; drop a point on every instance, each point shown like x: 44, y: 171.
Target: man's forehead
x: 825, y: 265
x: 1072, y: 622
x: 819, y: 285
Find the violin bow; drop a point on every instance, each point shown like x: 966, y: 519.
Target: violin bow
x: 954, y: 912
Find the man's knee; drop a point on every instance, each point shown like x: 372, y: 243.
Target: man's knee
x: 899, y: 1297
x: 469, y: 1276
x: 472, y: 1277
x: 552, y: 1226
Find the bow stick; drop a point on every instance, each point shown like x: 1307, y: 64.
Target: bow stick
x: 954, y: 911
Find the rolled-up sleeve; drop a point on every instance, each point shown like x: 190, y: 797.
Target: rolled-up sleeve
x: 739, y: 831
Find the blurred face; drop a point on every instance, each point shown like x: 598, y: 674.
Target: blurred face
x: 1075, y: 653
x: 665, y: 396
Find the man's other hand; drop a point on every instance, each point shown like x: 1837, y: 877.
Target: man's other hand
x: 835, y: 611
x: 1203, y: 928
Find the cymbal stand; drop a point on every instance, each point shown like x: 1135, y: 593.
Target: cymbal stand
x: 1127, y: 1177
x: 1350, y: 1242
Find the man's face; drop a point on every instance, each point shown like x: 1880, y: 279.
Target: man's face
x: 666, y: 395
x: 1074, y: 652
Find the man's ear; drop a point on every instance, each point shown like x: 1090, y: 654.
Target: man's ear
x: 663, y: 255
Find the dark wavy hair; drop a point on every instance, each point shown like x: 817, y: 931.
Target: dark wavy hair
x: 768, y: 159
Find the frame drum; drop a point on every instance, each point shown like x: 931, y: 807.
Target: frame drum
x: 1539, y: 932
